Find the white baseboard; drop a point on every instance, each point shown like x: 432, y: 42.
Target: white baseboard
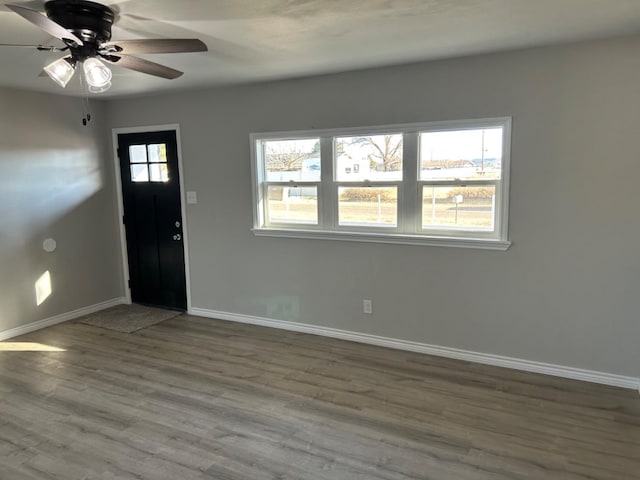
x: 476, y: 357
x: 47, y: 322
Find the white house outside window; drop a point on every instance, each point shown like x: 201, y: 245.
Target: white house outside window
x: 429, y: 183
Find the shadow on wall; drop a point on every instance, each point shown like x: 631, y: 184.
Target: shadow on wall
x: 39, y: 186
x: 46, y: 183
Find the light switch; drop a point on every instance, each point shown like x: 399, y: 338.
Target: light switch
x: 192, y: 198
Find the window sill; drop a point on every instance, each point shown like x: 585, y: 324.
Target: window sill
x: 477, y: 243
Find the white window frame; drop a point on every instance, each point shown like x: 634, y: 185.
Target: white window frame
x: 398, y: 184
x: 259, y: 174
x: 409, y: 218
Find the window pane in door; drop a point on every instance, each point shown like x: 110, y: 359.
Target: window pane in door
x: 139, y: 173
x: 463, y: 208
x: 137, y: 154
x: 293, y: 205
x: 159, y: 172
x: 368, y: 206
x: 157, y: 152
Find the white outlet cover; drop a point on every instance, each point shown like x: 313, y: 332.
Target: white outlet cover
x: 192, y: 198
x: 367, y: 306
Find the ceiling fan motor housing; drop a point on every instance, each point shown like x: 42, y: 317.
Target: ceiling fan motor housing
x: 89, y: 21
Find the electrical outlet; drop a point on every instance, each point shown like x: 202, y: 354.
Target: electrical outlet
x: 367, y: 306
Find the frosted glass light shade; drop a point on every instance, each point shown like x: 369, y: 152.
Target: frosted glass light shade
x: 104, y: 88
x: 61, y: 70
x: 97, y: 74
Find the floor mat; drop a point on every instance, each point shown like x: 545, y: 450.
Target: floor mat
x: 128, y: 318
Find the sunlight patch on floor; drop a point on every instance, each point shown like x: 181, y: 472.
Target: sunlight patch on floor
x: 28, y: 347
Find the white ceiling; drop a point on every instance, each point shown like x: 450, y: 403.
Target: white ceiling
x: 253, y: 40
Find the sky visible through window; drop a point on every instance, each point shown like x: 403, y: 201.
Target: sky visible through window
x: 445, y: 145
x: 461, y: 144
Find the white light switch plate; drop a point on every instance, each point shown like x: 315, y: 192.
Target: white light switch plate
x: 192, y: 198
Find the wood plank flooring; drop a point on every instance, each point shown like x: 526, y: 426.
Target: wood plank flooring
x: 194, y: 398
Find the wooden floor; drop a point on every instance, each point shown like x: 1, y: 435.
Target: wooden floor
x: 194, y: 398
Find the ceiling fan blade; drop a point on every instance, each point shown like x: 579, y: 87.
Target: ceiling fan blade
x: 143, y: 66
x: 155, y: 45
x: 46, y: 24
x: 43, y: 48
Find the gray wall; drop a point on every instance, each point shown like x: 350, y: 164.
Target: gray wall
x: 54, y: 182
x: 567, y: 290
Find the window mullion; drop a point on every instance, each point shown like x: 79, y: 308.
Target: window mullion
x: 327, y: 191
x: 408, y: 205
x: 458, y: 183
x: 306, y: 183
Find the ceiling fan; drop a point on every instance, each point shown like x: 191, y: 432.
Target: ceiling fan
x: 85, y: 29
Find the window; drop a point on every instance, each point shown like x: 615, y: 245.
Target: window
x: 291, y: 179
x: 460, y: 171
x: 431, y: 183
x: 148, y: 163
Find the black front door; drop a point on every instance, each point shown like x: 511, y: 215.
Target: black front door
x: 153, y: 218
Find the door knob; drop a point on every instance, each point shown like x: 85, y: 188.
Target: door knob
x: 177, y: 237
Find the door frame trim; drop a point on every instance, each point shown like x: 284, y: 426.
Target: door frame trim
x: 183, y: 203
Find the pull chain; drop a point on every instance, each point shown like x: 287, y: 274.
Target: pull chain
x: 86, y: 118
